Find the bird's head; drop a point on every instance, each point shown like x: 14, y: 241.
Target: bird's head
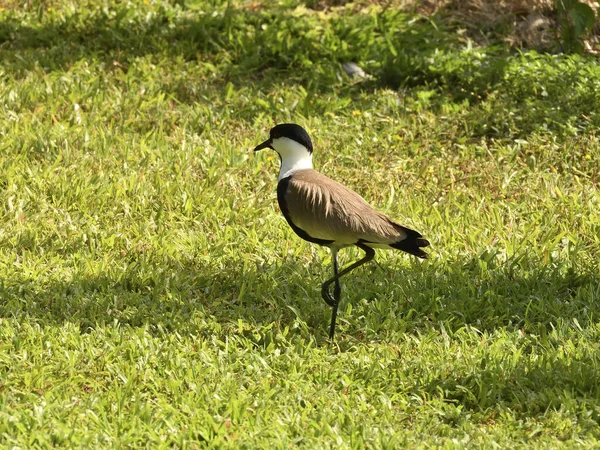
x: 289, y: 140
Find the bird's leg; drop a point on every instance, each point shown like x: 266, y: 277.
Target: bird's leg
x: 334, y: 302
x: 331, y: 301
x: 337, y: 292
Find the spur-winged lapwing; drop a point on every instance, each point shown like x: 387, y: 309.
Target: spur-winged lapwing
x: 325, y: 212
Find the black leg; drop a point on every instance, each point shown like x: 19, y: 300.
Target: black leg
x: 337, y: 292
x: 334, y: 302
x: 325, y: 291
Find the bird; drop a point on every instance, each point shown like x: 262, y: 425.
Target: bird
x: 325, y: 212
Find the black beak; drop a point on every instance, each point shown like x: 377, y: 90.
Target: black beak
x: 266, y: 144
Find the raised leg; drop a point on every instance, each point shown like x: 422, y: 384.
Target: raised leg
x: 335, y: 301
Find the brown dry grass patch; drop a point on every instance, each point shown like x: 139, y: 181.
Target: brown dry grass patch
x: 519, y: 23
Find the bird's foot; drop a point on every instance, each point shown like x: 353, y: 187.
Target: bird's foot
x: 327, y: 295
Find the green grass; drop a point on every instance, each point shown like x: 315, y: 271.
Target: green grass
x: 152, y: 295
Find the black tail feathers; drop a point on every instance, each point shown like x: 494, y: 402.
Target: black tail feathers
x: 412, y: 243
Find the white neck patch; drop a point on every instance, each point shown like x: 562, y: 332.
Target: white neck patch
x: 294, y: 156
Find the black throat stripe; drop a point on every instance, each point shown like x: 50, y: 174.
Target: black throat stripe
x: 282, y: 188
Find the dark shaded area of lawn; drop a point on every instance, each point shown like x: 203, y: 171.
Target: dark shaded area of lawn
x: 169, y: 295
x: 502, y: 94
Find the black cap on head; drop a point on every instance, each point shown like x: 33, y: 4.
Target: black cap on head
x: 294, y: 132
x: 290, y: 131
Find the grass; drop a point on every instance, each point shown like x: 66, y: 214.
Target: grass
x: 152, y: 294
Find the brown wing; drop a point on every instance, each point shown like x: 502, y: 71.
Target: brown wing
x: 328, y: 210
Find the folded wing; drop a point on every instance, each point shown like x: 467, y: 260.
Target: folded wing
x: 329, y: 211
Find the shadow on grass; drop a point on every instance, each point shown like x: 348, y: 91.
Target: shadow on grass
x: 174, y: 296
x: 528, y: 386
x: 186, y: 297
x: 122, y: 33
x: 504, y: 94
x: 272, y: 46
x: 59, y: 46
x: 257, y: 304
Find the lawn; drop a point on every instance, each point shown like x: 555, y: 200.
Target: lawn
x: 152, y: 294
